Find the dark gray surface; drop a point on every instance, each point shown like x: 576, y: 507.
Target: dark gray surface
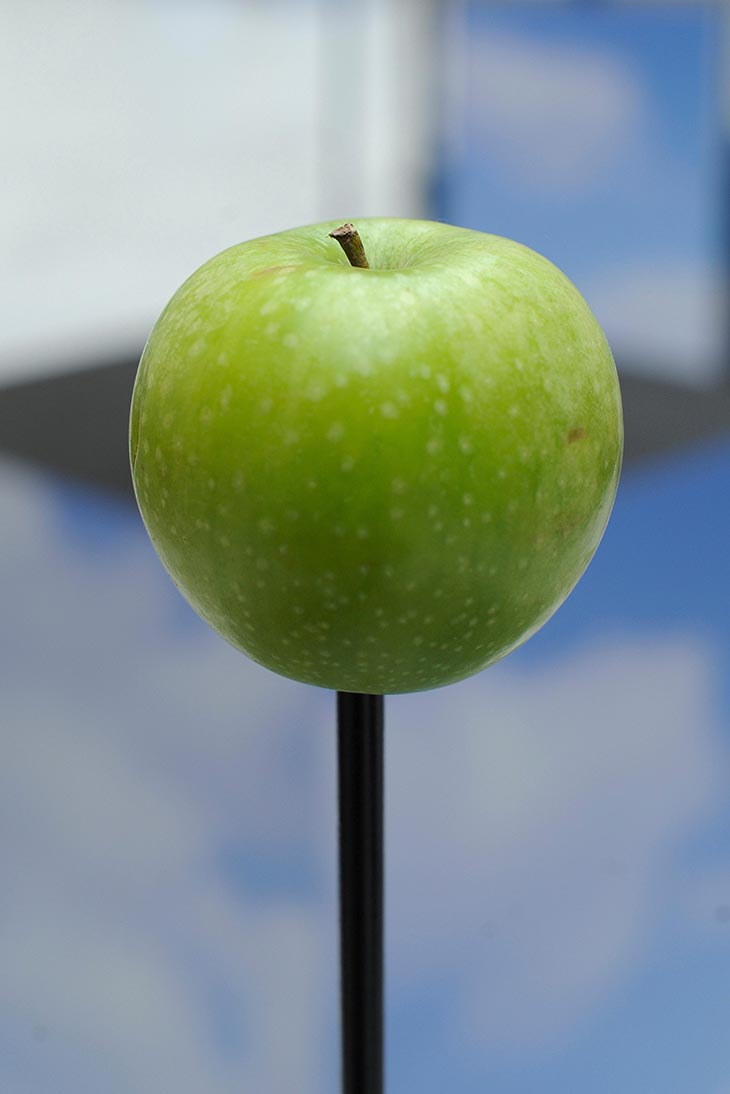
x: 76, y: 423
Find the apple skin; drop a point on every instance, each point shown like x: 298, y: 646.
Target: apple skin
x: 376, y: 480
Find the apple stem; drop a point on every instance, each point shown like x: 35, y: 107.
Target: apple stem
x: 348, y: 238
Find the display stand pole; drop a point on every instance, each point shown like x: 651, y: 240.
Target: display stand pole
x: 361, y: 800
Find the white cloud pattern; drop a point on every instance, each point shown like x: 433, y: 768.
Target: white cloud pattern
x: 534, y: 818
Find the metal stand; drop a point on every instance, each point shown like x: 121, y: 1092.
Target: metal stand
x: 360, y: 775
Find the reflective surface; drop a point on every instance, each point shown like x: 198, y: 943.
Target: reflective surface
x: 558, y: 828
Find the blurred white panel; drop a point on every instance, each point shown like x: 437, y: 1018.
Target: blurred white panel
x: 143, y: 137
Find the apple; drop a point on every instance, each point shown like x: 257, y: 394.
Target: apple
x: 376, y: 479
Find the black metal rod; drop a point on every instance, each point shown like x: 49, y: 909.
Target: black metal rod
x: 360, y: 791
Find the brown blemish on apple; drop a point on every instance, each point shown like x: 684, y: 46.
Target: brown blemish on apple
x: 273, y: 270
x: 135, y: 447
x: 136, y: 425
x: 577, y: 434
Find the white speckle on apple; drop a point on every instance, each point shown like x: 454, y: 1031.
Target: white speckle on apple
x: 362, y: 533
x: 336, y: 431
x: 268, y: 307
x: 237, y: 481
x: 398, y: 486
x: 466, y: 522
x: 389, y: 410
x: 202, y: 524
x: 467, y: 499
x: 290, y: 438
x: 443, y: 383
x: 226, y: 397
x: 262, y: 563
x: 224, y: 541
x: 434, y: 445
x: 501, y: 474
x: 347, y: 464
x: 266, y: 404
x: 271, y: 329
x: 465, y: 445
x: 266, y: 526
x: 440, y: 406
x: 396, y: 514
x: 211, y: 484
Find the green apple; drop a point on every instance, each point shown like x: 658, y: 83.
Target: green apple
x: 376, y: 480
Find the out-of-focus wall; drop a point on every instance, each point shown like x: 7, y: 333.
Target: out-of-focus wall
x: 139, y: 138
